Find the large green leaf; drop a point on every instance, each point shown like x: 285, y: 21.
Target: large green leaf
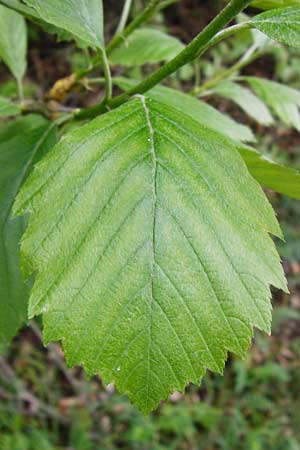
x: 151, y: 244
x: 246, y: 100
x: 197, y: 109
x: 7, y: 108
x: 81, y: 18
x: 13, y: 41
x: 283, y: 100
x: 146, y: 45
x: 268, y: 173
x: 21, y: 144
x: 282, y: 25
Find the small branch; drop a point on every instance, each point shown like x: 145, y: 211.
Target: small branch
x: 139, y: 20
x: 124, y: 16
x: 165, y: 3
x: 107, y: 76
x: 246, y: 59
x: 20, y: 92
x: 115, y: 42
x: 198, y: 45
x: 230, y: 31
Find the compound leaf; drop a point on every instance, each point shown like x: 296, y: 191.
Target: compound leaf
x: 146, y: 45
x: 82, y: 18
x: 22, y: 143
x: 282, y: 25
x: 13, y: 41
x: 151, y: 244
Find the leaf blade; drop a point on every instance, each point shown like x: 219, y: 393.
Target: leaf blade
x: 279, y: 178
x: 197, y: 109
x: 282, y: 25
x: 7, y: 108
x: 141, y: 289
x: 283, y: 100
x: 246, y: 100
x: 18, y: 151
x: 82, y: 18
x: 146, y: 45
x: 13, y: 41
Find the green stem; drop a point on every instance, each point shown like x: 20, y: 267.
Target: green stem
x: 107, y: 76
x: 124, y: 16
x: 249, y: 56
x: 165, y: 3
x: 230, y: 31
x: 119, y: 38
x: 139, y: 20
x: 196, y: 47
x: 20, y: 92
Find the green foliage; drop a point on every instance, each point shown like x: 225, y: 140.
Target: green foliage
x: 7, y: 108
x: 146, y: 45
x: 81, y: 18
x: 244, y: 98
x: 167, y: 212
x: 202, y: 112
x: 283, y: 100
x: 149, y: 233
x: 268, y: 173
x: 282, y: 25
x: 13, y: 42
x: 19, y: 150
x: 275, y: 176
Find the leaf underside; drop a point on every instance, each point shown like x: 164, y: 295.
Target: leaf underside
x: 151, y: 243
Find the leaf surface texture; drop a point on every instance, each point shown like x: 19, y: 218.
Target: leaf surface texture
x: 151, y: 242
x: 82, y: 18
x: 199, y: 110
x: 282, y: 25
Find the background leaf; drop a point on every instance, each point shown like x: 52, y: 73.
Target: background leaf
x: 152, y: 248
x: 82, y: 18
x: 246, y: 100
x: 146, y: 45
x: 13, y: 41
x: 7, y: 108
x: 22, y: 143
x: 282, y: 25
x: 283, y: 100
x: 277, y: 177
